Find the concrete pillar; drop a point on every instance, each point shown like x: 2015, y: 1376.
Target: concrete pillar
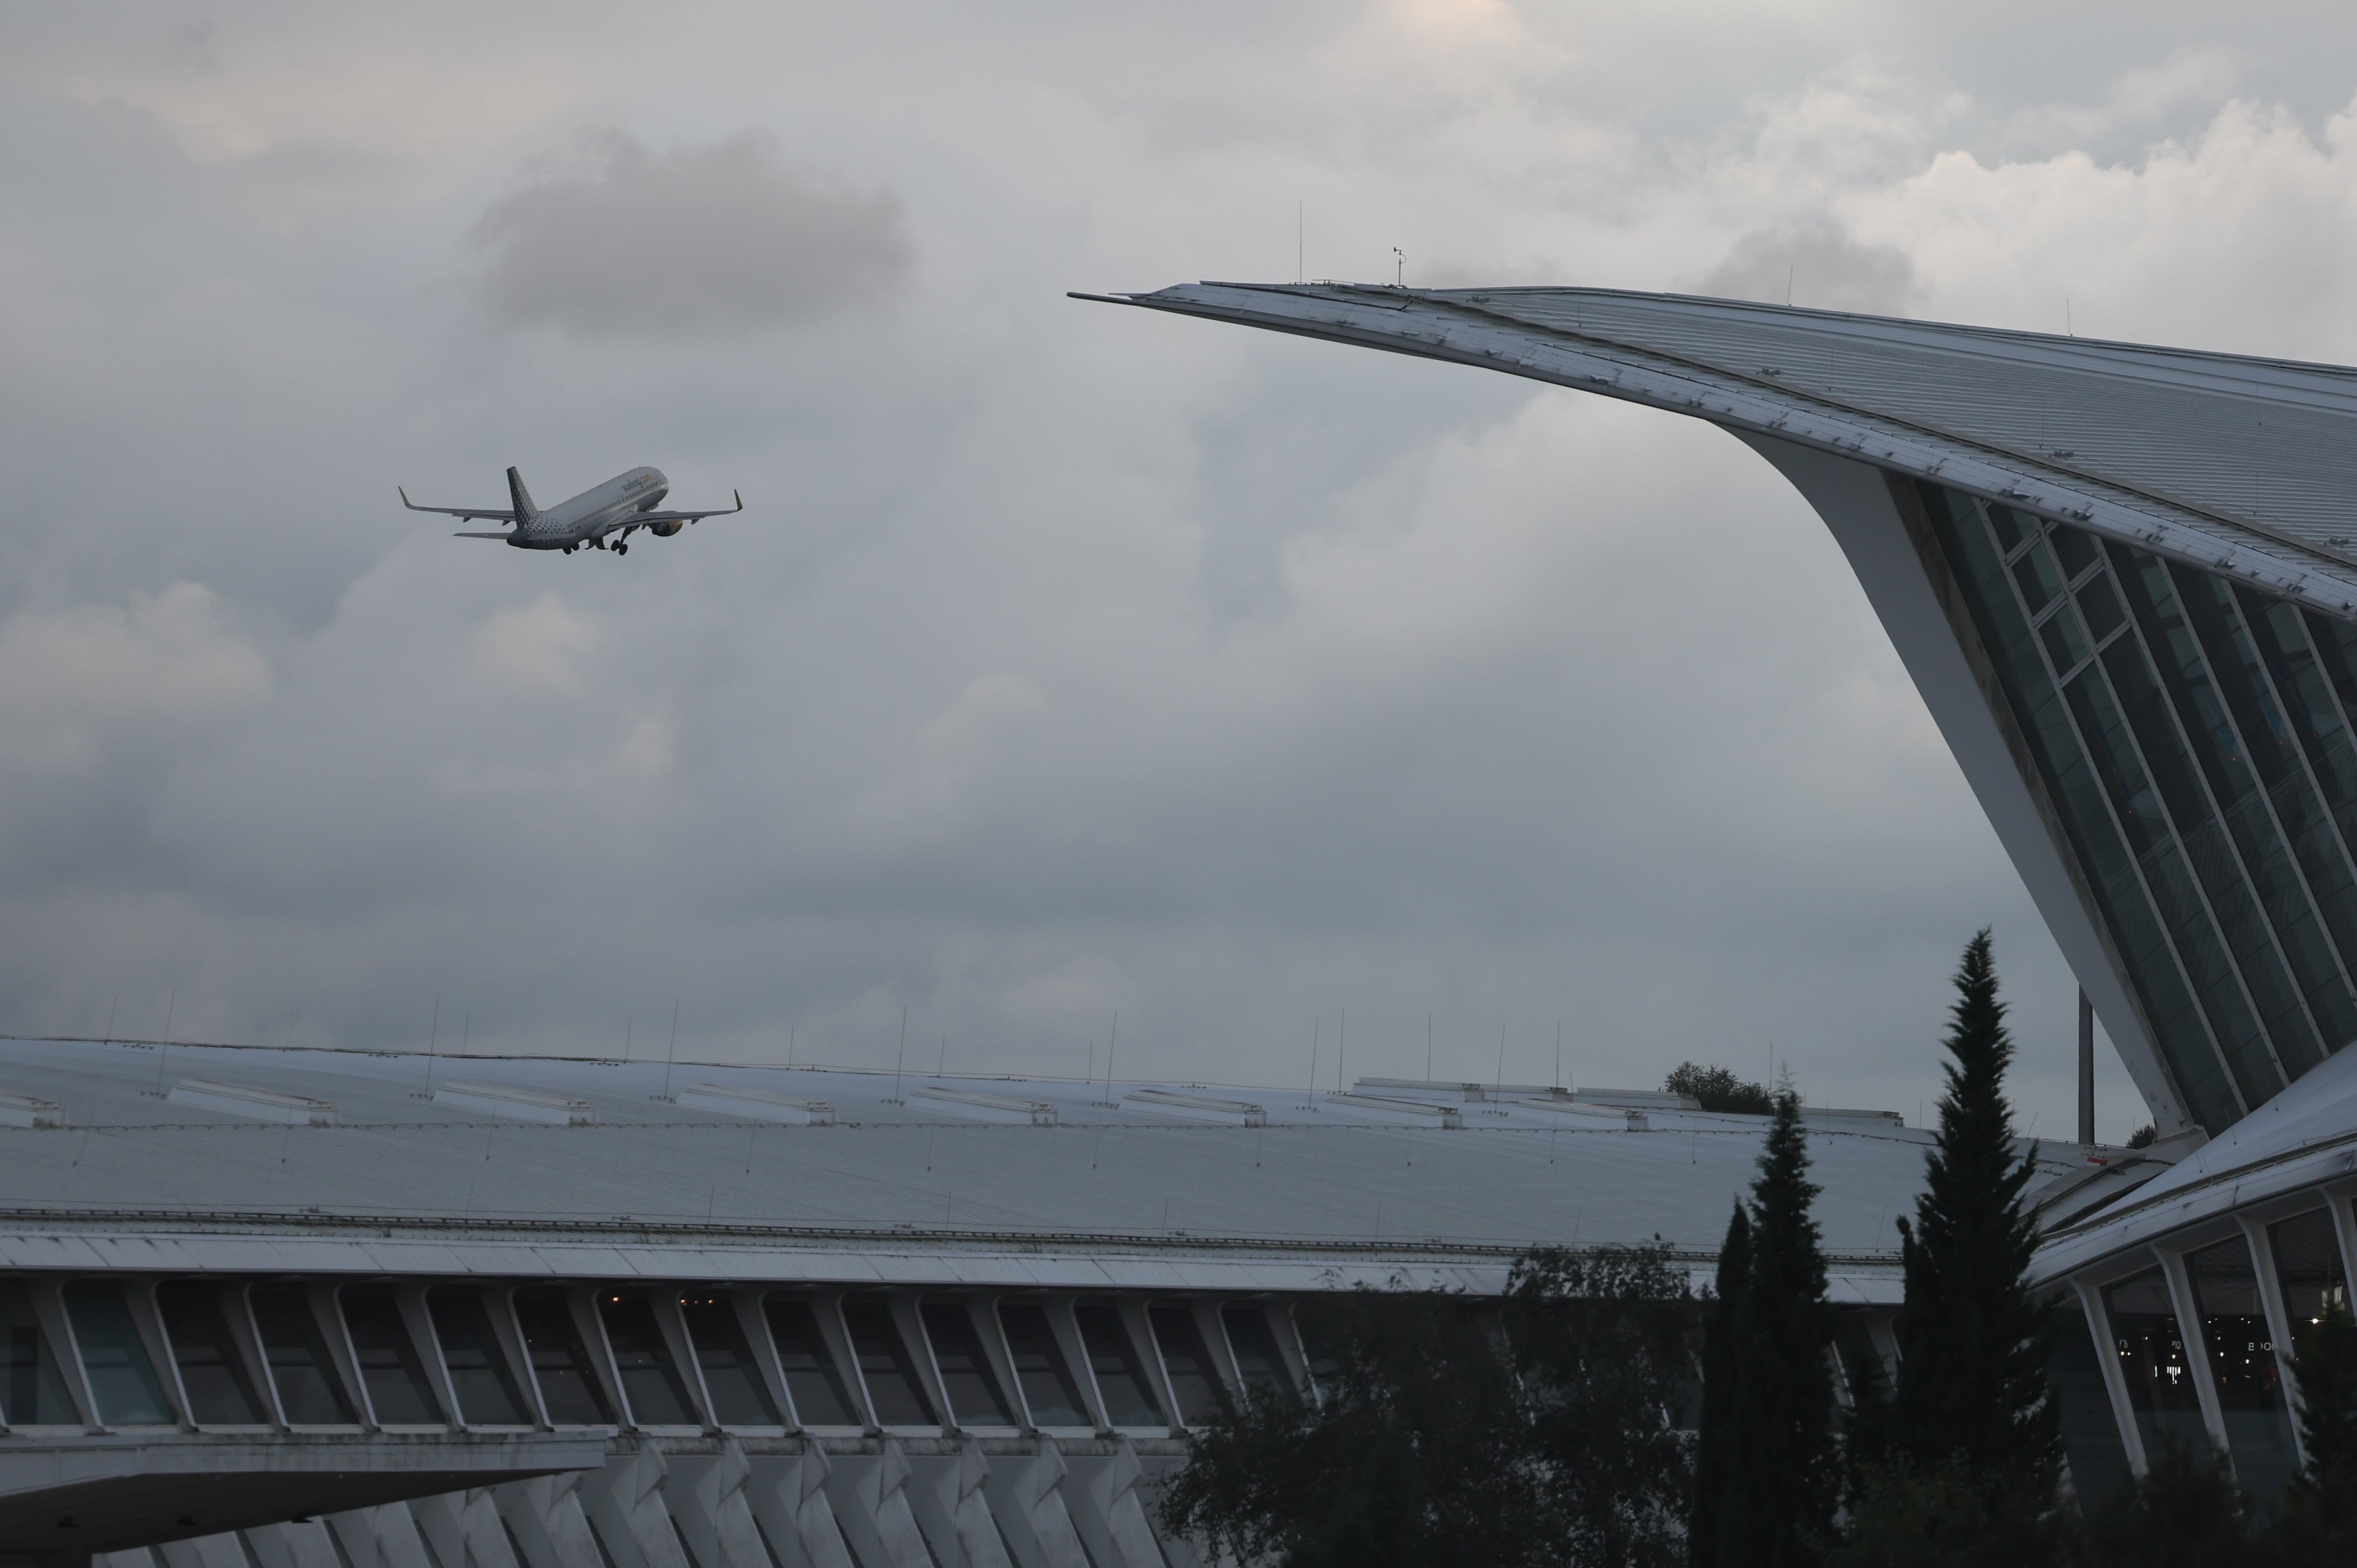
x: 464, y: 1530
x: 710, y: 1507
x: 977, y: 1532
x: 871, y: 1504
x: 381, y: 1537
x: 1028, y: 1495
x: 625, y: 1503
x: 1115, y: 1527
x: 222, y: 1551
x: 295, y: 1544
x: 543, y: 1516
x: 789, y: 1497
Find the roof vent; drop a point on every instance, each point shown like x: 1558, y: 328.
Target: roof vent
x: 988, y: 1107
x: 759, y: 1104
x: 261, y: 1104
x: 1200, y: 1107
x: 25, y: 1110
x: 517, y: 1104
x: 1605, y: 1116
x: 1471, y: 1093
x: 1446, y: 1115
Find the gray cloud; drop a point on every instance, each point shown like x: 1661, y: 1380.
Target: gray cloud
x: 1821, y: 265
x: 1067, y: 660
x: 699, y: 239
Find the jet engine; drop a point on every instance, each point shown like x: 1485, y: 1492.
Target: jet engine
x: 665, y: 529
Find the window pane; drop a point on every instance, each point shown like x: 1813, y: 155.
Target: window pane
x: 2307, y: 1262
x: 212, y: 1374
x: 310, y: 1393
x: 817, y: 1388
x: 2100, y: 603
x: 560, y: 1361
x: 470, y: 1353
x: 1121, y: 1377
x: 32, y: 1390
x: 122, y: 1379
x: 1253, y: 1343
x: 1194, y: 1382
x: 1049, y: 1389
x: 2074, y: 549
x: 740, y: 1397
x: 390, y: 1365
x: 2242, y: 1364
x: 2152, y: 1359
x: 966, y: 1376
x: 885, y: 1365
x: 2066, y: 644
x: 2091, y: 1431
x: 2012, y: 526
x: 650, y: 1379
x: 2039, y: 579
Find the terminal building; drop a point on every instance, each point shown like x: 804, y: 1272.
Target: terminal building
x: 318, y: 1309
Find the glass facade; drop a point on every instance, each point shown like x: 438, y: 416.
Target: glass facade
x: 2244, y: 1366
x: 731, y: 1379
x: 2152, y: 1352
x: 560, y: 1359
x: 1049, y: 1390
x: 1121, y: 1376
x: 2308, y: 1267
x: 885, y: 1365
x: 2195, y: 739
x: 642, y: 1357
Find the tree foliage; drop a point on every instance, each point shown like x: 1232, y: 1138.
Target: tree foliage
x: 1768, y: 1400
x: 1448, y: 1432
x: 1971, y: 1390
x: 1717, y: 1088
x: 1903, y: 1516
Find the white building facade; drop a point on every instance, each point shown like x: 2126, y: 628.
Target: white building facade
x: 2124, y: 580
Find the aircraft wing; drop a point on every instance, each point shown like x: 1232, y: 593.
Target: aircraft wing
x: 637, y: 518
x: 469, y: 513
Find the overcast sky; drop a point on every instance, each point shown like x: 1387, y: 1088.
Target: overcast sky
x: 1066, y: 660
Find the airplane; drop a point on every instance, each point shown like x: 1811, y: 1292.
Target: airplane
x: 624, y: 503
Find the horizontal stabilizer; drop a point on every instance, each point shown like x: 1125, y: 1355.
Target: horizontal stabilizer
x: 478, y: 536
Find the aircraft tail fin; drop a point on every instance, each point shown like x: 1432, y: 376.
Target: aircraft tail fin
x: 524, y: 511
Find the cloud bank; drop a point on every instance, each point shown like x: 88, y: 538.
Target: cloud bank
x: 1066, y: 660
x: 708, y: 239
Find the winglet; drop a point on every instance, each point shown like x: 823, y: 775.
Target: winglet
x: 404, y: 498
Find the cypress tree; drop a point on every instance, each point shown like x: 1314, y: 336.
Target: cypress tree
x: 1775, y: 1481
x: 1971, y: 1377
x: 1716, y: 1453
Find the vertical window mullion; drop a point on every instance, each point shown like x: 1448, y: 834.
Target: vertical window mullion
x: 2135, y: 861
x: 2267, y: 807
x: 2201, y: 896
x: 2323, y: 802
x: 2240, y: 865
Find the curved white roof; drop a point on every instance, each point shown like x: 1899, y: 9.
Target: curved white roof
x: 2241, y: 465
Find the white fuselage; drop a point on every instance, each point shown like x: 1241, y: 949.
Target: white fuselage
x: 594, y: 514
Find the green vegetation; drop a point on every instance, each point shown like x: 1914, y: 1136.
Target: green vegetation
x: 1442, y: 1432
x: 1767, y: 1445
x: 1547, y: 1428
x: 1970, y: 1390
x: 1717, y: 1088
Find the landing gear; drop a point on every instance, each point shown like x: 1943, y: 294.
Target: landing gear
x: 621, y: 550
x: 569, y: 550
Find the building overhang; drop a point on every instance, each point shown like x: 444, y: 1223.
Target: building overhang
x: 63, y: 1498
x: 1703, y: 359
